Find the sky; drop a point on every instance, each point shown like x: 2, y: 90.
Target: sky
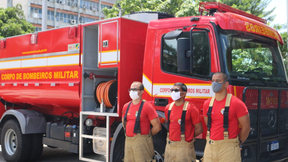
x: 280, y: 11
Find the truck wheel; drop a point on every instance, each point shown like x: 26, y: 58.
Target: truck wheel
x: 118, y: 154
x: 159, y: 141
x: 37, y: 147
x: 16, y: 146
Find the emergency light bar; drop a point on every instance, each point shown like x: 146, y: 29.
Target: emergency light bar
x: 216, y: 6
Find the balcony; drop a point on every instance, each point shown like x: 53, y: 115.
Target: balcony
x: 88, y: 11
x: 50, y: 22
x: 35, y: 20
x: 71, y: 6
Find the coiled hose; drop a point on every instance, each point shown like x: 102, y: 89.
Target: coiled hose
x: 106, y: 91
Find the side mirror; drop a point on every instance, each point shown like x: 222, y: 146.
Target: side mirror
x: 184, y: 55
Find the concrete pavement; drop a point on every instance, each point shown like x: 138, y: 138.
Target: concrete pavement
x: 54, y: 155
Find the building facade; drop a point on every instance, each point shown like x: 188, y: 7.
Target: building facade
x: 61, y: 12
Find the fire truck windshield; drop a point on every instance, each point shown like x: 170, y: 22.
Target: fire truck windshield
x: 252, y: 59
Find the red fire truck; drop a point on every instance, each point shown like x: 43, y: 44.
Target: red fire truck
x: 66, y: 87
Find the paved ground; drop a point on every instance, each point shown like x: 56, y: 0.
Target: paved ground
x: 55, y: 155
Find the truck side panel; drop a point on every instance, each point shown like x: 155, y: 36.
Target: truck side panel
x: 45, y: 74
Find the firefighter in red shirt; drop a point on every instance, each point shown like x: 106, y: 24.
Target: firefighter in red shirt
x: 137, y: 116
x: 228, y: 123
x: 183, y: 125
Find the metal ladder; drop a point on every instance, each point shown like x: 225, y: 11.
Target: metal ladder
x: 83, y: 116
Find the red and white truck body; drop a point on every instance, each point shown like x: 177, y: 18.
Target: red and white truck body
x: 51, y: 81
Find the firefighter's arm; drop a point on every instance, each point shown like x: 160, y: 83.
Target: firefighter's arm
x: 156, y: 126
x: 123, y: 122
x: 205, y: 119
x: 244, y: 122
x: 198, y: 129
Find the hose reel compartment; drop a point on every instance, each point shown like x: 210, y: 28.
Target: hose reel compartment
x: 106, y: 92
x: 105, y: 95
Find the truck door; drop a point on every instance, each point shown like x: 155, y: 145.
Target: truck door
x: 108, y: 45
x: 166, y: 67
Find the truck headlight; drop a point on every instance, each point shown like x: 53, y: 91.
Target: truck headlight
x: 88, y: 122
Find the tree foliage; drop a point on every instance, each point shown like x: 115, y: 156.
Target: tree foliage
x: 181, y: 8
x: 255, y: 7
x: 282, y: 29
x: 251, y: 59
x: 12, y: 22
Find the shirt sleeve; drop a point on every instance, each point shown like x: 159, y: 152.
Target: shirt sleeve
x: 240, y: 108
x: 194, y: 114
x: 150, y: 111
x: 205, y: 107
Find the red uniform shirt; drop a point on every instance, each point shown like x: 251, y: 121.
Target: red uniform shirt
x: 148, y: 113
x: 237, y: 109
x: 192, y: 118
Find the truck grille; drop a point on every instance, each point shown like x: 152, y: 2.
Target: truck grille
x: 268, y: 111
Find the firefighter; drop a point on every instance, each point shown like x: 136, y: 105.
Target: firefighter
x: 137, y: 116
x: 183, y: 125
x: 228, y: 123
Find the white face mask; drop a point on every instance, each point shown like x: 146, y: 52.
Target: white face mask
x: 175, y: 96
x: 133, y: 95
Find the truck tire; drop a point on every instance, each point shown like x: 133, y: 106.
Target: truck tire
x: 37, y: 147
x: 118, y: 154
x: 159, y: 142
x: 16, y: 146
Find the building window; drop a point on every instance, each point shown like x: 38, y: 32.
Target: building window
x: 50, y: 15
x: 89, y: 5
x: 86, y: 19
x: 61, y: 1
x: 72, y: 3
x: 105, y: 6
x: 57, y: 16
x: 9, y: 3
x: 36, y: 12
x: 37, y: 29
x: 65, y: 18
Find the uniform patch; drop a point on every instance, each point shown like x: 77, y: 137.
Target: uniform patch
x: 179, y: 121
x: 222, y: 111
x: 136, y: 113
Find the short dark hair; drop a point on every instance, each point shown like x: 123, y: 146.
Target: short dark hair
x: 141, y: 87
x: 225, y: 76
x: 182, y: 86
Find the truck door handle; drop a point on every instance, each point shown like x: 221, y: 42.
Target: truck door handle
x: 161, y: 101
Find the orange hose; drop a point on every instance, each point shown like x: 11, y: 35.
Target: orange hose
x: 98, y: 92
x: 102, y: 92
x: 106, y: 93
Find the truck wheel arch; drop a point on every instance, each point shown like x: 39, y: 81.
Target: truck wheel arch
x: 31, y: 122
x: 117, y: 134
